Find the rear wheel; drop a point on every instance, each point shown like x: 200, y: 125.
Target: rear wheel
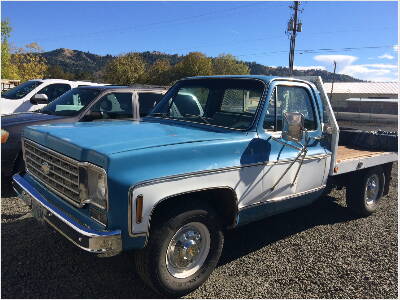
x: 183, y: 249
x: 364, y: 193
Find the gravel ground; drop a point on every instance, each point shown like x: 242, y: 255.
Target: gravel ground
x: 321, y: 251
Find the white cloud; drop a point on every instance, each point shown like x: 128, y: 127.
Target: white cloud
x: 340, y: 59
x: 385, y: 66
x: 372, y: 72
x: 305, y: 68
x: 386, y: 56
x: 345, y: 65
x: 355, y: 70
x: 396, y: 48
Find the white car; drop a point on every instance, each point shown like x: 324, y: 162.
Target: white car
x: 35, y: 94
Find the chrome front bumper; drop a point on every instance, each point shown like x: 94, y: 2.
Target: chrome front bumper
x: 85, y: 238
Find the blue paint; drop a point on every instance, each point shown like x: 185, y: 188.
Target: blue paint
x: 132, y: 152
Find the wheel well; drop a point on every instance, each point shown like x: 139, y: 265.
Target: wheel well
x: 223, y: 200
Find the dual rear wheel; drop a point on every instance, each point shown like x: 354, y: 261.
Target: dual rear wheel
x: 365, y: 191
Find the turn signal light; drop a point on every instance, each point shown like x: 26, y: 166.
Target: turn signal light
x: 139, y: 209
x: 4, y: 136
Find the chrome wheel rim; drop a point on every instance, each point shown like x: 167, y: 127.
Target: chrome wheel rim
x: 188, y: 250
x: 372, y: 189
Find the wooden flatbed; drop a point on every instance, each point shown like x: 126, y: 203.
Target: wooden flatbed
x: 345, y: 152
x: 350, y: 159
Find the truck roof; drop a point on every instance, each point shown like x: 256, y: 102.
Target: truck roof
x: 121, y: 87
x: 264, y: 78
x: 56, y: 80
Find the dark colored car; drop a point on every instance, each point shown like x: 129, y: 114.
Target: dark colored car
x: 82, y: 104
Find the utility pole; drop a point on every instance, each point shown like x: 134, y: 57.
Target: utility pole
x: 293, y: 26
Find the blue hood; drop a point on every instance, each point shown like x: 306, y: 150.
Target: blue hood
x: 96, y: 141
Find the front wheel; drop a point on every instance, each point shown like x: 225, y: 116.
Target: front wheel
x: 364, y: 193
x: 183, y: 249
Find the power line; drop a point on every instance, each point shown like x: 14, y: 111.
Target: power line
x: 266, y: 38
x: 317, y: 51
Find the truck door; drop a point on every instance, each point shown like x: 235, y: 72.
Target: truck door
x: 287, y: 96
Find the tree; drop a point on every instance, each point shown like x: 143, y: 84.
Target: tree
x: 125, y: 70
x: 159, y: 73
x: 226, y: 64
x: 34, y: 47
x: 193, y: 64
x: 28, y: 63
x: 56, y: 71
x: 7, y: 69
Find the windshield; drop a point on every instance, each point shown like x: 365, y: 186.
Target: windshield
x: 230, y: 103
x: 71, y: 103
x: 21, y: 90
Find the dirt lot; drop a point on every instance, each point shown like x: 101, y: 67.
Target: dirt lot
x: 321, y: 251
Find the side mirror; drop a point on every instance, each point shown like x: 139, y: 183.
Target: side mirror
x: 293, y: 126
x: 39, y: 99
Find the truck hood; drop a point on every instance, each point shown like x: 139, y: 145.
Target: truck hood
x: 25, y: 118
x: 96, y: 141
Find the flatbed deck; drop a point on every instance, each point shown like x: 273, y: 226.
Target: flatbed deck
x: 346, y: 152
x: 350, y: 159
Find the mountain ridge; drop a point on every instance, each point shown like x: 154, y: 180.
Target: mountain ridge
x: 90, y: 64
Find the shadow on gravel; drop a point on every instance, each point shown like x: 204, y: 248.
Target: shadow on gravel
x: 39, y: 263
x: 6, y: 188
x: 249, y: 238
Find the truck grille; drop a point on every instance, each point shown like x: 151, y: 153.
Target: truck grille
x: 55, y: 171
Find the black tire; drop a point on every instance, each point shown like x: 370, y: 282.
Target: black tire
x: 357, y: 196
x: 151, y: 262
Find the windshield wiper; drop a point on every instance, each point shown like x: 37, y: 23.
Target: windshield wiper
x: 163, y: 115
x: 199, y: 117
x: 42, y: 111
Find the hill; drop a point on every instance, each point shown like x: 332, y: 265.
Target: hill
x: 79, y: 62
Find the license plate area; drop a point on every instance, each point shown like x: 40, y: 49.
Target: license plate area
x: 26, y: 198
x: 38, y: 211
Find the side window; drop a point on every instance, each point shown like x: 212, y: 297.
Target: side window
x: 147, y: 101
x: 54, y: 91
x: 114, y: 106
x: 289, y: 99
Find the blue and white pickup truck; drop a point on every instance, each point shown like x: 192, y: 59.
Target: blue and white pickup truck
x: 216, y: 153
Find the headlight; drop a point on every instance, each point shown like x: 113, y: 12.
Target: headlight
x: 93, y: 190
x: 4, y: 136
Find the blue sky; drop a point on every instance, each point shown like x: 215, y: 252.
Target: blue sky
x: 252, y: 31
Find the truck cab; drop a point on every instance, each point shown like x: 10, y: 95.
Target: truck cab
x: 217, y: 152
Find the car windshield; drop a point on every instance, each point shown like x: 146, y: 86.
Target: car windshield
x: 21, y: 90
x: 230, y: 103
x: 71, y: 103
